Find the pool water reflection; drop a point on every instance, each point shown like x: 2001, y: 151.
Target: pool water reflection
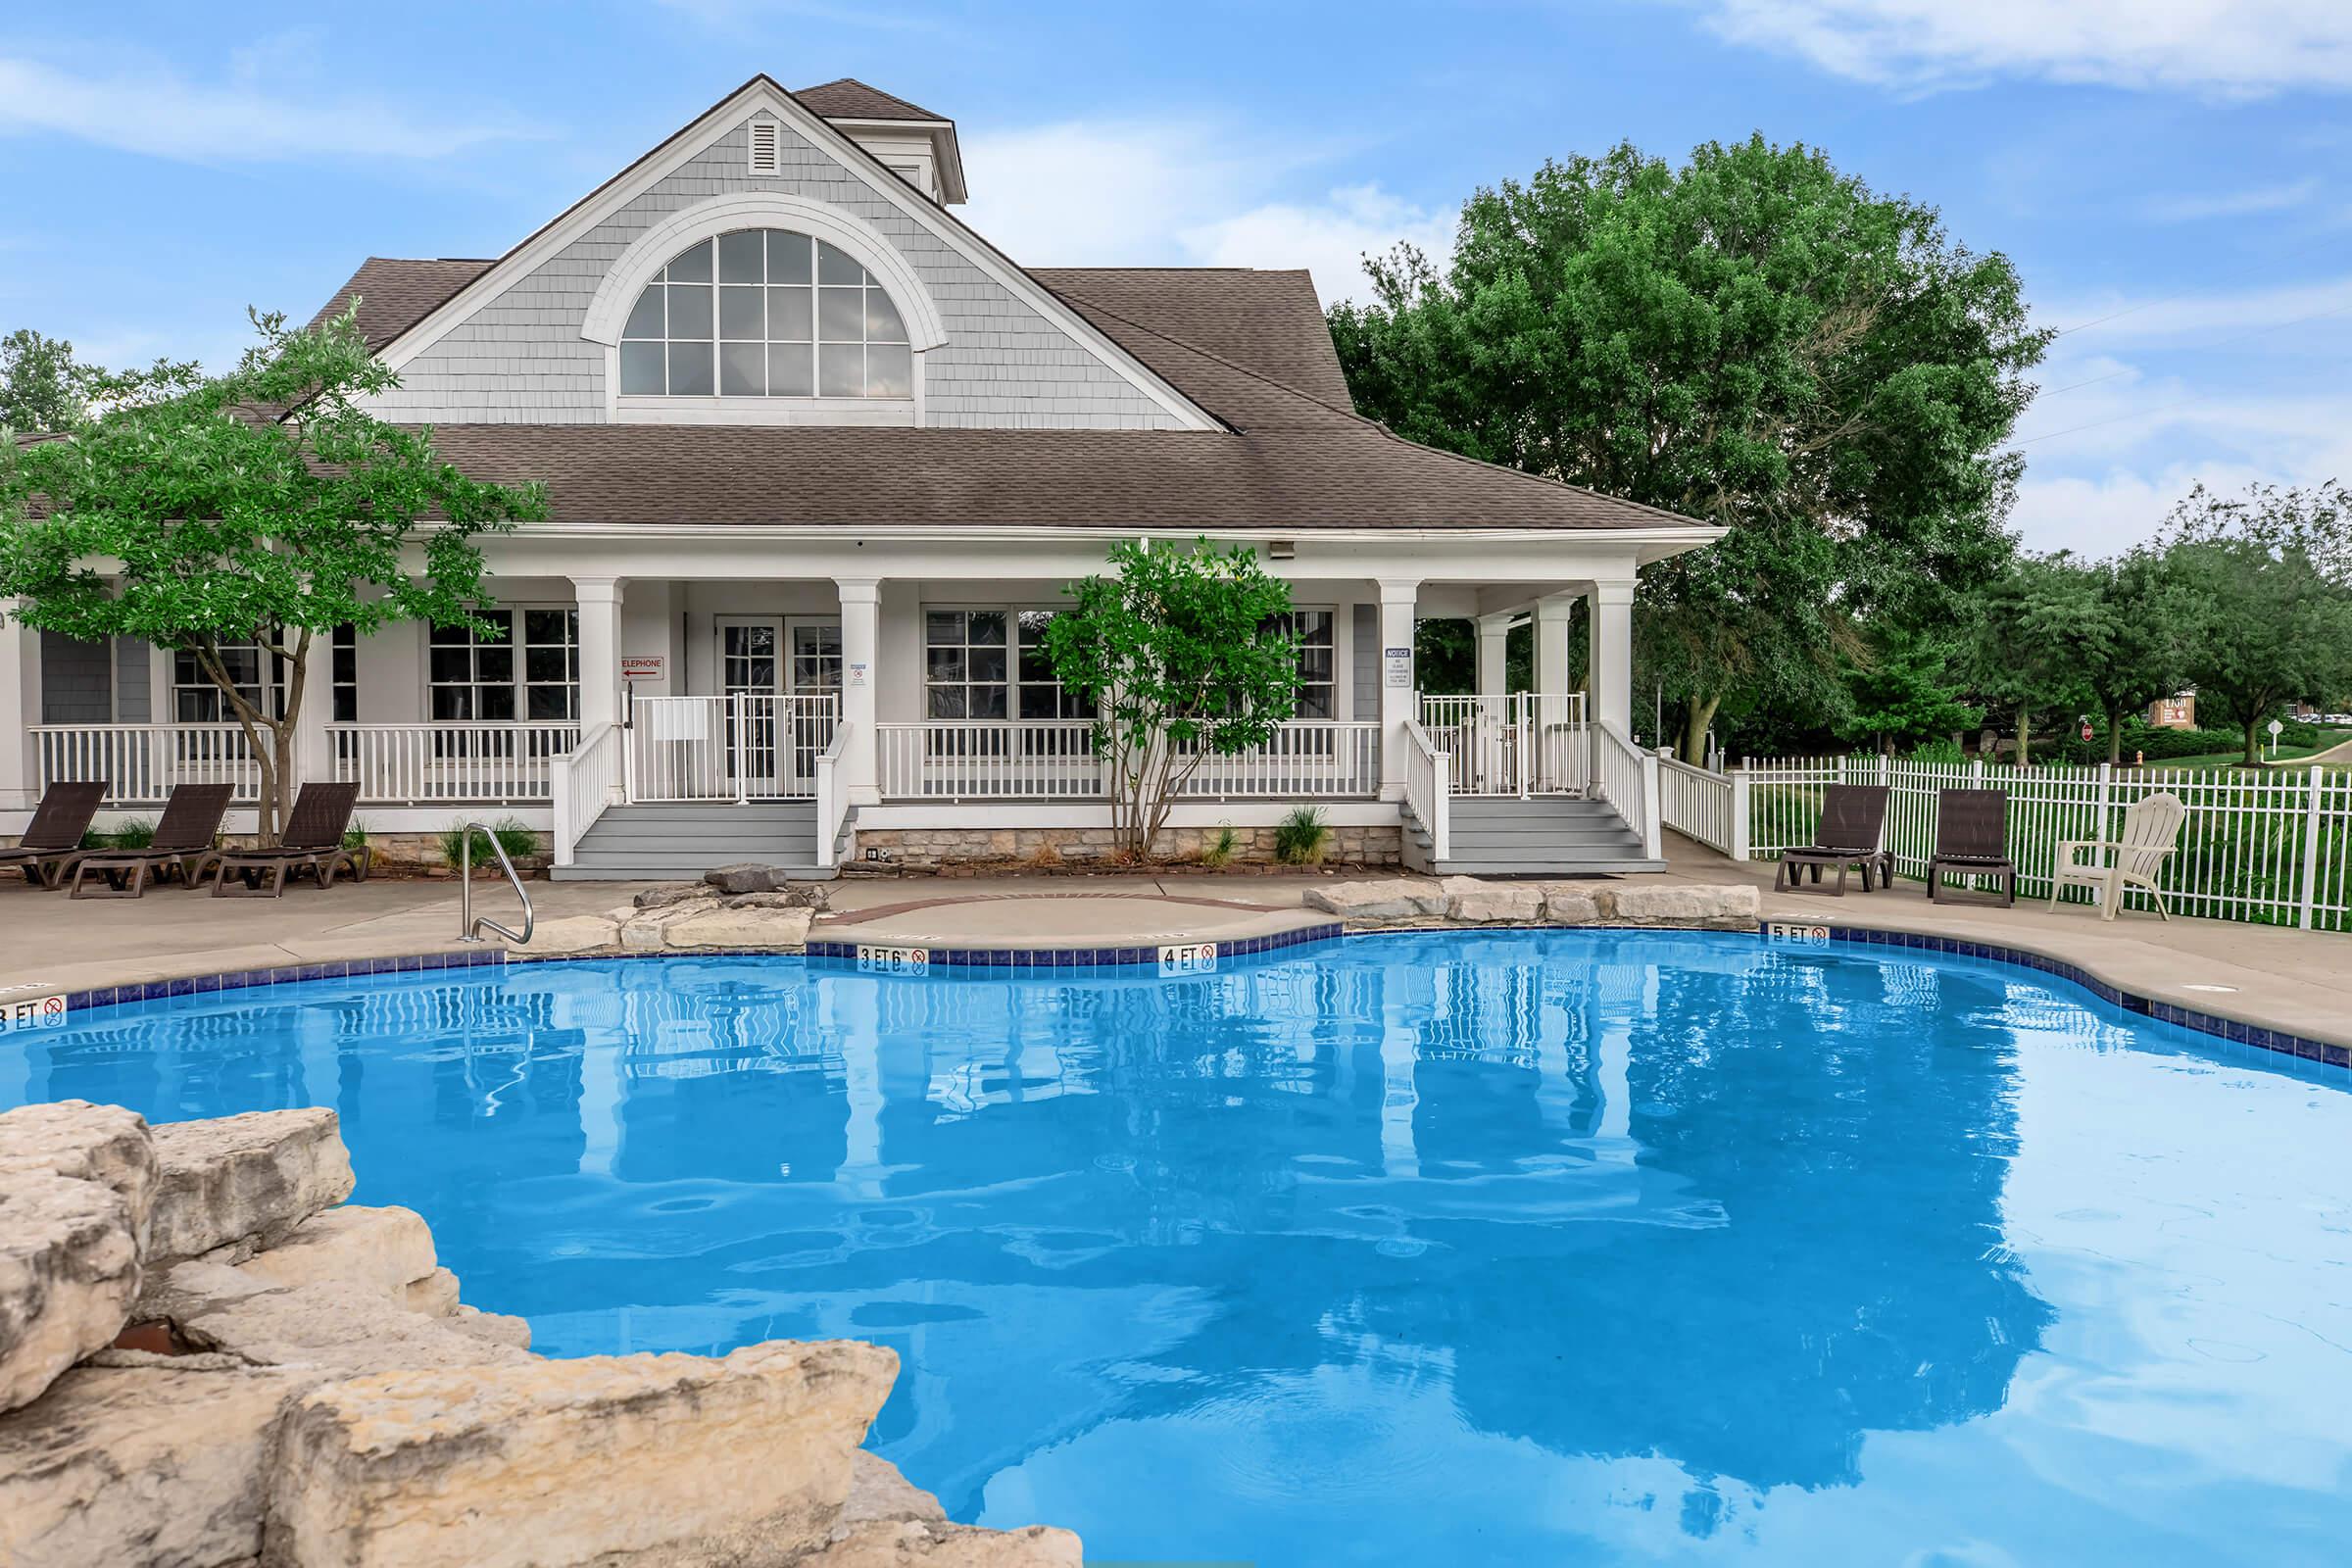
x: 1443, y: 1249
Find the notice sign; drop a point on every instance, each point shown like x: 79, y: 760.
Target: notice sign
x: 856, y: 673
x: 1399, y: 665
x: 644, y: 666
x: 30, y: 1012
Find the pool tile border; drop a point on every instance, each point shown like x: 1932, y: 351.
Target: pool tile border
x: 1035, y: 961
x: 2235, y: 1031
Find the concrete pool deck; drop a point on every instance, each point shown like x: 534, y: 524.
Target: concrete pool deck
x: 2298, y: 981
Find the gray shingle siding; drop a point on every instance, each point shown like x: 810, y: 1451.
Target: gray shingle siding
x: 134, y: 682
x: 521, y: 359
x: 77, y: 687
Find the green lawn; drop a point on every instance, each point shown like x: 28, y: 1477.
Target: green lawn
x: 2286, y: 754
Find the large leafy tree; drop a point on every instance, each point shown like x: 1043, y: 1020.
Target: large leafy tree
x: 266, y: 507
x: 1754, y: 339
x: 44, y: 386
x: 1184, y: 654
x: 2265, y: 584
x: 1905, y: 691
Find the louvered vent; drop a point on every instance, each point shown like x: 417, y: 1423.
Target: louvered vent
x: 766, y: 151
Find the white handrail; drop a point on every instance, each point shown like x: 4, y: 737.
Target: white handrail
x: 139, y: 763
x: 1626, y: 777
x: 1696, y: 803
x: 832, y: 799
x: 581, y: 784
x: 451, y: 760
x: 1429, y: 789
x: 1058, y: 759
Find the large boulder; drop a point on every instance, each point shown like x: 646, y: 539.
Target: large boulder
x: 136, y: 1466
x: 744, y: 876
x: 336, y: 1329
x: 572, y: 933
x: 669, y: 893
x: 1476, y: 902
x: 1569, y: 904
x: 385, y: 1249
x: 878, y: 1491
x: 778, y: 929
x: 69, y: 1274
x: 605, y: 1459
x: 241, y: 1183
x: 103, y: 1144
x: 1379, y: 902
x: 1695, y: 906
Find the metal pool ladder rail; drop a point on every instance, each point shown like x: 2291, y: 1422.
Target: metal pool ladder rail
x: 469, y: 925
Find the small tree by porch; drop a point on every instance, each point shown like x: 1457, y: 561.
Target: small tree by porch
x: 263, y: 508
x: 1183, y: 654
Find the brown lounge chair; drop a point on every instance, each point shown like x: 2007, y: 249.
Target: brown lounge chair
x: 182, y: 843
x: 312, y: 842
x: 1851, y: 817
x: 53, y: 838
x: 1972, y: 839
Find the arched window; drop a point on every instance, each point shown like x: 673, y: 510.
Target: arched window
x: 765, y: 313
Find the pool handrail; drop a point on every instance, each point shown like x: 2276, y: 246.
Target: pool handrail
x: 469, y: 925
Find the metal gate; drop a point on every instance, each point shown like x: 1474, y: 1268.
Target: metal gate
x: 1524, y: 743
x: 748, y: 747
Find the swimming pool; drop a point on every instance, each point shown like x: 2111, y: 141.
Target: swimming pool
x: 1486, y: 1247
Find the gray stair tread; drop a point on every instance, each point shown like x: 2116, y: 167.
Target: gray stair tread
x: 1610, y: 865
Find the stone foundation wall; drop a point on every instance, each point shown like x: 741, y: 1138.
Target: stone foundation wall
x: 209, y: 1359
x: 1003, y: 849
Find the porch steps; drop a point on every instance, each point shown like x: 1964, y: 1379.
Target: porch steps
x: 655, y: 843
x: 1541, y: 835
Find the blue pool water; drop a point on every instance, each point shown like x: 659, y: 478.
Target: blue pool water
x: 1553, y: 1247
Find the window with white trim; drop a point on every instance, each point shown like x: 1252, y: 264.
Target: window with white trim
x: 991, y: 663
x: 197, y: 700
x: 1319, y: 663
x: 765, y: 312
x: 527, y: 666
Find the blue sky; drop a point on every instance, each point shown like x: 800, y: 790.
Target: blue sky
x: 2172, y: 176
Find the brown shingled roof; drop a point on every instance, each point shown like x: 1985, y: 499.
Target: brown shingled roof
x: 1268, y: 323
x: 847, y: 98
x: 396, y: 292
x: 852, y: 476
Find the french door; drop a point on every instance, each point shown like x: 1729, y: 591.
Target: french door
x: 751, y: 674
x: 812, y: 680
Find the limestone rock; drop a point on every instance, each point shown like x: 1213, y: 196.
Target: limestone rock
x: 670, y: 893
x: 740, y: 928
x: 605, y: 1459
x: 151, y: 1466
x: 435, y: 1295
x: 496, y: 1327
x: 573, y: 933
x: 1730, y: 908
x: 1569, y: 904
x: 339, y: 1329
x: 385, y: 1249
x: 794, y: 895
x: 877, y: 1491
x: 643, y: 934
x: 1480, y: 903
x: 918, y: 1544
x: 69, y: 1274
x: 1391, y: 899
x: 103, y: 1144
x: 243, y: 1180
x: 744, y: 876
x: 181, y: 1291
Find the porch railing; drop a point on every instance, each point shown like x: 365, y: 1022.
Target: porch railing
x: 1057, y: 760
x: 582, y: 782
x: 1524, y: 743
x: 1429, y: 789
x: 746, y: 747
x: 141, y: 763
x: 1701, y: 804
x: 478, y: 760
x: 832, y: 795
x: 1626, y: 777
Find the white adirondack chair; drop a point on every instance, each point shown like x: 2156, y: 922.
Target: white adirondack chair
x: 2151, y: 831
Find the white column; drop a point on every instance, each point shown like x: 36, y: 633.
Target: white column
x: 1610, y: 606
x: 860, y: 644
x: 314, y: 747
x: 20, y: 707
x: 1494, y: 639
x: 1551, y: 644
x: 1397, y: 686
x: 599, y: 648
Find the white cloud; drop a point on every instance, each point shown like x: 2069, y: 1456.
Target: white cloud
x: 253, y: 116
x: 2234, y: 204
x: 2224, y: 47
x: 1109, y: 193
x: 2111, y: 317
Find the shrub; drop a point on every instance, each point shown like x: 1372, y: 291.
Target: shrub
x: 1943, y: 751
x: 513, y: 837
x: 355, y: 837
x: 135, y: 833
x: 1302, y: 837
x: 1220, y: 850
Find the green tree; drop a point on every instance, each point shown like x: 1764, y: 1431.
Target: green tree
x: 263, y: 507
x: 2268, y: 604
x: 1754, y: 339
x: 2024, y: 657
x: 1184, y: 654
x: 1907, y: 694
x: 43, y: 387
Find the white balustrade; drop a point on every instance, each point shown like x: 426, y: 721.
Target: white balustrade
x: 486, y: 760
x: 582, y: 783
x: 1696, y: 803
x: 1626, y: 777
x: 1429, y: 789
x: 1303, y: 761
x: 1057, y: 760
x: 832, y: 794
x: 750, y: 746
x: 1524, y: 743
x: 139, y: 763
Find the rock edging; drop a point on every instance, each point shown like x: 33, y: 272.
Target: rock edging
x: 1457, y: 901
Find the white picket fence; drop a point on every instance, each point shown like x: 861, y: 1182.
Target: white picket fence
x: 2272, y: 846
